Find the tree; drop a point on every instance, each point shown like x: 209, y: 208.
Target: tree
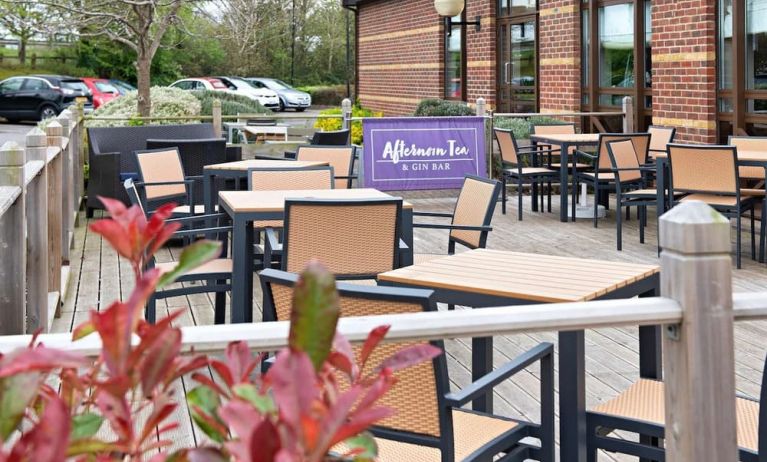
x: 139, y: 25
x: 24, y: 20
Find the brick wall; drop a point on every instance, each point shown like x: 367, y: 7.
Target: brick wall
x: 480, y: 52
x: 400, y: 55
x: 559, y: 54
x: 684, y: 68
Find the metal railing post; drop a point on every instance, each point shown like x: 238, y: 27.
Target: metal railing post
x: 13, y: 244
x: 346, y: 112
x: 698, y: 354
x: 37, y: 234
x: 628, y: 114
x: 481, y: 110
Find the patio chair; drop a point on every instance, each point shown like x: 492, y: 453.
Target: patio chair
x: 215, y: 275
x: 280, y: 179
x: 331, y: 138
x: 471, y: 217
x: 162, y: 180
x: 514, y: 169
x: 660, y: 138
x: 750, y: 143
x: 641, y: 409
x: 353, y: 238
x: 429, y: 424
x: 601, y: 176
x: 341, y: 158
x: 710, y: 174
x: 629, y: 185
x: 556, y: 129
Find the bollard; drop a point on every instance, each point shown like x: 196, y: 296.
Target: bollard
x: 346, y: 113
x: 218, y: 124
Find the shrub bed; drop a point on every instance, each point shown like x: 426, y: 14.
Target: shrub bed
x: 442, y: 108
x: 332, y: 124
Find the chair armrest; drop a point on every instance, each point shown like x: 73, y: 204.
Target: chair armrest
x: 163, y: 183
x: 198, y: 231
x: 534, y: 150
x: 452, y: 227
x: 212, y: 216
x: 262, y: 157
x: 432, y: 214
x: 579, y: 153
x: 491, y: 379
x: 271, y: 238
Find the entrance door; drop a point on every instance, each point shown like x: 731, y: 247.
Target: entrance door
x: 517, y: 65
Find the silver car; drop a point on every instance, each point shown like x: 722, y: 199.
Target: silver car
x: 289, y: 96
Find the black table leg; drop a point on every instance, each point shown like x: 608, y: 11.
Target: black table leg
x: 572, y: 396
x: 406, y: 258
x: 534, y: 184
x: 481, y: 364
x: 242, y: 274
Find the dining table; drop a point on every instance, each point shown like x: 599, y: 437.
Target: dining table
x: 485, y: 278
x: 565, y: 142
x: 245, y: 207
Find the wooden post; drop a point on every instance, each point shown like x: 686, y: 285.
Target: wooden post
x: 346, y: 113
x: 80, y: 154
x: 67, y: 183
x: 218, y: 124
x: 12, y: 241
x: 698, y: 354
x: 628, y: 114
x: 55, y: 231
x: 37, y: 234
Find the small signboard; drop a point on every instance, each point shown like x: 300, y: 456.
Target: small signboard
x: 422, y: 152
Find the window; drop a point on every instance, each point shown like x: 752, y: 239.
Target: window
x: 104, y: 87
x: 11, y: 85
x: 35, y: 84
x: 455, y: 76
x: 616, y: 50
x: 756, y: 53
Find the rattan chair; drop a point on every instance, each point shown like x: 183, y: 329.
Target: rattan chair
x: 212, y: 277
x: 630, y: 188
x: 341, y: 158
x: 162, y: 180
x: 471, y: 217
x: 281, y: 179
x: 710, y: 174
x: 429, y: 424
x: 750, y: 143
x: 641, y: 409
x: 601, y: 176
x: 556, y: 129
x: 331, y: 138
x: 514, y: 169
x: 353, y: 238
x: 660, y: 138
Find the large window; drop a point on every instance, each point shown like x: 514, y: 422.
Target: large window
x: 617, y: 56
x: 742, y: 67
x: 516, y: 24
x: 455, y: 59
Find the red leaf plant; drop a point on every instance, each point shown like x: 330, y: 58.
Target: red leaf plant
x: 57, y: 406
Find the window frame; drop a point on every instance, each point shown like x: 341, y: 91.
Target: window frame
x: 446, y: 56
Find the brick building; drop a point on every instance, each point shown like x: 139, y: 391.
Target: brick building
x: 699, y: 65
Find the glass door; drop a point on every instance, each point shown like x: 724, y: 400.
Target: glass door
x: 518, y: 69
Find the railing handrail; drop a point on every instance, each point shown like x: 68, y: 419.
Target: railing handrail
x: 518, y: 319
x: 559, y: 114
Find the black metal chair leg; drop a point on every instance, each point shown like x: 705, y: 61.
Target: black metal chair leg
x: 549, y: 199
x: 503, y: 195
x: 619, y: 225
x: 596, y: 203
x: 150, y: 312
x: 628, y: 213
x: 519, y: 198
x: 753, y: 237
x: 642, y: 220
x: 219, y: 315
x: 737, y: 239
x: 540, y: 188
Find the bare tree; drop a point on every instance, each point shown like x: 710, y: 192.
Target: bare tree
x: 25, y: 20
x: 138, y: 24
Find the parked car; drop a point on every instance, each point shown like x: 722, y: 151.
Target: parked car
x: 240, y: 86
x: 38, y: 97
x: 202, y: 83
x: 103, y: 91
x: 122, y: 86
x: 289, y: 96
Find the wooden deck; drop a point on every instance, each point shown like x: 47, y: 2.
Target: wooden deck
x: 99, y: 277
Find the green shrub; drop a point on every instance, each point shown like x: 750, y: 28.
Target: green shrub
x: 326, y: 95
x: 231, y: 104
x: 442, y: 108
x: 332, y: 124
x: 166, y: 102
x: 522, y: 127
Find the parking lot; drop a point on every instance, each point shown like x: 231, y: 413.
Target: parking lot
x: 14, y: 132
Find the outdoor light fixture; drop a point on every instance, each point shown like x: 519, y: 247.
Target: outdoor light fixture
x: 450, y: 8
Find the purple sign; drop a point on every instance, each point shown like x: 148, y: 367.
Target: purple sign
x: 422, y: 152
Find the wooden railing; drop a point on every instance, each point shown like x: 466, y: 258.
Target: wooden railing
x: 41, y: 187
x: 697, y: 309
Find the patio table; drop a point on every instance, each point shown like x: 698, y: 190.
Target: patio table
x: 565, y: 142
x: 245, y: 207
x: 266, y: 131
x: 239, y: 171
x: 484, y: 278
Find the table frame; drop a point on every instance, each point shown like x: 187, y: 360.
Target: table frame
x: 572, y: 364
x: 563, y: 170
x: 242, y: 255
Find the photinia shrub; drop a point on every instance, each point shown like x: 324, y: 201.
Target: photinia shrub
x: 57, y: 406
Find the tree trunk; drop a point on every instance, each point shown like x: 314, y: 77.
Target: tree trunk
x: 143, y: 66
x: 22, y: 51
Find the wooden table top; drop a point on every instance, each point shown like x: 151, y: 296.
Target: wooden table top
x: 244, y: 165
x: 274, y: 201
x: 743, y: 156
x: 259, y: 129
x: 572, y: 138
x: 522, y: 276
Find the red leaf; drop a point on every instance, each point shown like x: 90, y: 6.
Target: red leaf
x: 241, y: 361
x: 264, y: 442
x: 223, y: 371
x: 117, y: 412
x: 158, y: 360
x: 331, y: 423
x: 48, y: 440
x: 185, y: 364
x: 374, y: 338
x: 114, y: 328
x: 258, y: 440
x: 294, y: 385
x: 162, y: 237
x: 342, y: 357
x: 361, y: 422
x: 410, y: 356
x: 38, y: 359
x: 116, y: 235
x: 162, y: 407
x: 380, y: 386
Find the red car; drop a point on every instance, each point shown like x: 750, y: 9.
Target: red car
x: 103, y: 91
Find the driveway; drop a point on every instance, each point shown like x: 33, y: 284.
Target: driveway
x: 14, y: 132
